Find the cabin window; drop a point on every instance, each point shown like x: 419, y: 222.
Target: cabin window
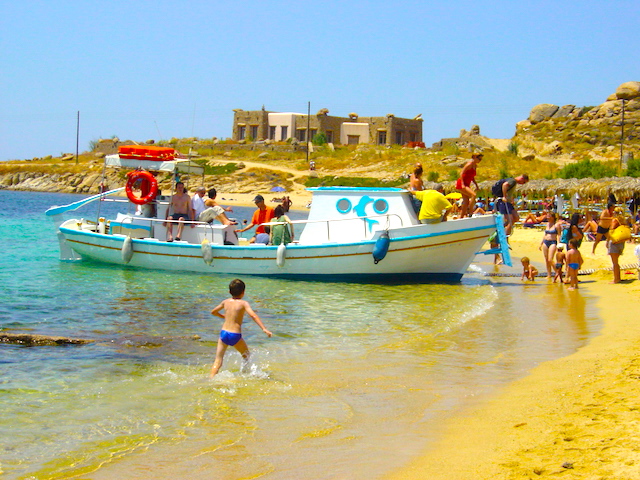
x: 284, y: 132
x: 400, y: 138
x: 382, y: 138
x: 301, y: 134
x: 254, y: 132
x: 353, y: 139
x: 272, y: 133
x: 242, y: 131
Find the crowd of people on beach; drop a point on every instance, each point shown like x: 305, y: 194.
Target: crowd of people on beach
x: 563, y: 232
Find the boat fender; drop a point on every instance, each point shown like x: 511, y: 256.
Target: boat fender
x: 281, y: 254
x: 207, y: 253
x: 382, y: 247
x: 127, y: 250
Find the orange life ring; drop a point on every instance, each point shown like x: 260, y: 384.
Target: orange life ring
x: 148, y: 187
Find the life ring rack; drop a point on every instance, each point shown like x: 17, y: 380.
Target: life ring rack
x: 148, y: 187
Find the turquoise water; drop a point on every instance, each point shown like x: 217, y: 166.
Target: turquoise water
x: 353, y: 383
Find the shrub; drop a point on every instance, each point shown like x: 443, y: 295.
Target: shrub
x: 633, y: 168
x: 433, y: 176
x: 513, y: 148
x: 587, y: 168
x: 319, y: 139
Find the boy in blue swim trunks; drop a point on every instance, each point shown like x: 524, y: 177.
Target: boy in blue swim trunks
x: 231, y: 333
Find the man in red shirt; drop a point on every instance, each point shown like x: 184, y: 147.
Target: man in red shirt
x: 260, y: 216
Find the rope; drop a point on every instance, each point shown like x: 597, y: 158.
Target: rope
x: 587, y: 271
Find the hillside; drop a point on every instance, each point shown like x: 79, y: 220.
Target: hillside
x: 550, y: 137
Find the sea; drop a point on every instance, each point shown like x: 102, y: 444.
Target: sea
x: 356, y: 381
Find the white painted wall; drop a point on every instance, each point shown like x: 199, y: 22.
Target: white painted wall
x: 283, y: 119
x: 352, y: 128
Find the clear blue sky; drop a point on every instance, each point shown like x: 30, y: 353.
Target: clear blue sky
x: 160, y: 69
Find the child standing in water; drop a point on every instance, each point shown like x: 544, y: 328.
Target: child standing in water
x: 231, y: 333
x: 574, y: 262
x: 560, y: 259
x: 529, y: 271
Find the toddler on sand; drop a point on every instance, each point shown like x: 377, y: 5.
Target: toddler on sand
x: 529, y: 271
x: 560, y: 259
x: 231, y: 333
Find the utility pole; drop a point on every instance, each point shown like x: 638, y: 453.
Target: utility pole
x: 308, y: 120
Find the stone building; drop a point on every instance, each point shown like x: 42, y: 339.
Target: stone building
x: 257, y: 125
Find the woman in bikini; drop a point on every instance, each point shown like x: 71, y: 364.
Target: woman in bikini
x: 549, y: 243
x: 463, y: 185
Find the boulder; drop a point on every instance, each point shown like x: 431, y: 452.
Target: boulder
x: 628, y: 91
x: 563, y: 112
x: 542, y: 112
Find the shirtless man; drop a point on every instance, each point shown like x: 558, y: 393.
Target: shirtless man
x: 182, y: 211
x: 604, y: 223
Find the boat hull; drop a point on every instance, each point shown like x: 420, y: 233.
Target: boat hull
x: 439, y: 252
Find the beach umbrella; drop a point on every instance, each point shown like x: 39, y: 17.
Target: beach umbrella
x: 278, y: 189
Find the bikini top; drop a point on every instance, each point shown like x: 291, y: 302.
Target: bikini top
x: 553, y: 231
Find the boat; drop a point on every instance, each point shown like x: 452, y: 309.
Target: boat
x: 351, y: 234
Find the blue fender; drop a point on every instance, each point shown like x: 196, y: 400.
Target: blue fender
x: 381, y: 247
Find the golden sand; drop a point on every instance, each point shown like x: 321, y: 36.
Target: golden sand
x: 577, y: 417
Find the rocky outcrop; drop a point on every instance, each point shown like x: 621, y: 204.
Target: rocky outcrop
x: 32, y: 340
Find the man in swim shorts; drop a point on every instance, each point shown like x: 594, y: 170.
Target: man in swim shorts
x: 505, y: 203
x: 181, y: 211
x: 231, y: 333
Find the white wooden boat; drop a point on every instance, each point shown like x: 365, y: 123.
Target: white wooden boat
x: 351, y: 234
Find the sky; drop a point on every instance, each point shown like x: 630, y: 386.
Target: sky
x: 159, y: 69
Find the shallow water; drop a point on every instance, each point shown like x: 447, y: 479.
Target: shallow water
x: 352, y: 384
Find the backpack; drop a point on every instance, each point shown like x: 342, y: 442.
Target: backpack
x: 496, y: 190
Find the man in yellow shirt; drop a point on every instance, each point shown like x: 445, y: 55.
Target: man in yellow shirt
x: 435, y: 207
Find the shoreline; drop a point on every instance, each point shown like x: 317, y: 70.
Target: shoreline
x: 576, y: 415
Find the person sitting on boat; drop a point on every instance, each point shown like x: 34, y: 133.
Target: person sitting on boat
x: 215, y: 211
x: 182, y: 211
x: 282, y: 233
x: 262, y: 215
x: 262, y: 238
x: 435, y: 207
x: 197, y: 202
x: 212, y: 202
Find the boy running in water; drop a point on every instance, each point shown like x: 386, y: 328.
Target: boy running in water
x: 231, y: 333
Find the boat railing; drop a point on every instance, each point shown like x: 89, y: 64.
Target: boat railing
x: 328, y: 222
x: 139, y: 220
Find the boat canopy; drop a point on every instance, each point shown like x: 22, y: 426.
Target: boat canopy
x: 177, y: 165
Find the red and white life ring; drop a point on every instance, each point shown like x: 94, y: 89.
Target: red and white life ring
x: 148, y: 187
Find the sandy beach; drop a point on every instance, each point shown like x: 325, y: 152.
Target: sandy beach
x: 576, y: 417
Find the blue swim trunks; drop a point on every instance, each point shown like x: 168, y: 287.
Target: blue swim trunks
x: 230, y: 338
x: 575, y: 266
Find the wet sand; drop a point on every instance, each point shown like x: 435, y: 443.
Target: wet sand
x: 575, y: 417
